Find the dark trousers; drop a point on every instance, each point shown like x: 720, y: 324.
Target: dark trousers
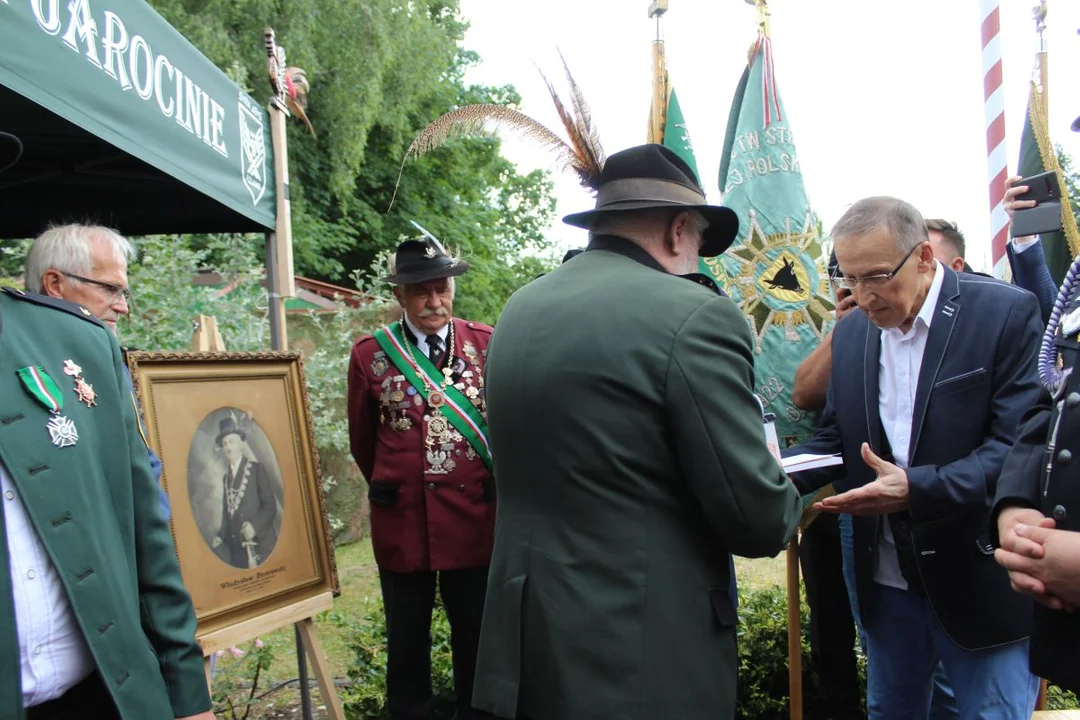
x: 89, y: 700
x: 409, y: 599
x: 832, y: 625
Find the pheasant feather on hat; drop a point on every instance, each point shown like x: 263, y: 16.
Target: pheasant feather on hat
x: 582, y: 154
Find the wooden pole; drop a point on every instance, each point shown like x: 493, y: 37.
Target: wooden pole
x: 206, y: 337
x: 1044, y: 58
x: 310, y: 642
x: 794, y: 601
x: 280, y: 277
x: 1044, y: 78
x: 658, y: 111
x: 658, y: 108
x: 286, y: 278
x: 279, y: 339
x: 764, y: 26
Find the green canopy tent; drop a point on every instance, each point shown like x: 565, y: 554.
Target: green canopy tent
x: 124, y: 122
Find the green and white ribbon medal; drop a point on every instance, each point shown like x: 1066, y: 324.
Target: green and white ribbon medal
x: 44, y: 389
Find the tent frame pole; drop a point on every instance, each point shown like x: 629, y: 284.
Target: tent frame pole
x: 278, y: 340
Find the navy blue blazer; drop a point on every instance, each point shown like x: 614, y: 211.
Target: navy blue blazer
x: 978, y: 377
x: 1030, y: 272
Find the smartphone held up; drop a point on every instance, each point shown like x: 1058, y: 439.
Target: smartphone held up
x: 1045, y: 217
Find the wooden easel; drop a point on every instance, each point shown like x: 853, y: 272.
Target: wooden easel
x: 206, y: 338
x: 794, y: 608
x: 794, y: 614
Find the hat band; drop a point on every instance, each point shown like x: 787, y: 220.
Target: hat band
x: 439, y: 262
x: 647, y: 189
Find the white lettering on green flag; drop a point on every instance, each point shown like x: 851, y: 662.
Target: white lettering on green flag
x: 676, y: 136
x: 775, y: 270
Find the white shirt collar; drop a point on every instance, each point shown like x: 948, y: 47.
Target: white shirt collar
x: 929, y: 306
x: 234, y: 467
x: 421, y: 336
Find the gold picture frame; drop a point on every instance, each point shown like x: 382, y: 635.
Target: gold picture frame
x: 240, y: 466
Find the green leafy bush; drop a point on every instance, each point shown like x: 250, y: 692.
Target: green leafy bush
x: 763, y: 673
x: 763, y: 657
x: 236, y: 682
x: 763, y: 665
x: 1058, y: 699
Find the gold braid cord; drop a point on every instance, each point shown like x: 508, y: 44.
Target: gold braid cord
x: 1050, y: 162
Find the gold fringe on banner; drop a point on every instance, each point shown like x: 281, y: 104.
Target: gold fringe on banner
x: 1041, y: 131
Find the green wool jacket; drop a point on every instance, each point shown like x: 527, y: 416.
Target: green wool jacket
x: 630, y: 460
x: 95, y: 507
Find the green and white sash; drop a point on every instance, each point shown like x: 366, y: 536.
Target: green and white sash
x: 452, y: 403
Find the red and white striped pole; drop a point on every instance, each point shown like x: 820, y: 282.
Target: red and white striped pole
x: 994, y: 113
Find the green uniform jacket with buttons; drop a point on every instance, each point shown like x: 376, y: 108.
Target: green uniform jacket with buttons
x: 95, y: 507
x: 630, y: 461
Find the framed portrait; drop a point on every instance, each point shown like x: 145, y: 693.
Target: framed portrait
x: 240, y: 467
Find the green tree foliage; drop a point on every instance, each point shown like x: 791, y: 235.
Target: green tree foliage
x: 380, y: 70
x: 166, y: 302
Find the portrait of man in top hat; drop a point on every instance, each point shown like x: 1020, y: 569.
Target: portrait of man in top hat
x: 235, y: 485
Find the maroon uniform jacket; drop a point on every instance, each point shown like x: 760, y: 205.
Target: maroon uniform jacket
x: 432, y: 504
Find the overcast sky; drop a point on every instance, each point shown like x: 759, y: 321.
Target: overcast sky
x: 884, y: 98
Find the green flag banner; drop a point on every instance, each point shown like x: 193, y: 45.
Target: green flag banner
x: 775, y: 270
x: 676, y: 136
x: 1037, y: 155
x: 117, y: 70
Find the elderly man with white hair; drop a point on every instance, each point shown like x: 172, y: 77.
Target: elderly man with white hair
x: 87, y: 265
x: 84, y: 264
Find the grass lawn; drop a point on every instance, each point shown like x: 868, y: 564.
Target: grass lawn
x: 360, y: 584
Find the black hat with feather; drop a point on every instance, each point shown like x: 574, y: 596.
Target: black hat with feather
x: 420, y: 261
x: 652, y: 176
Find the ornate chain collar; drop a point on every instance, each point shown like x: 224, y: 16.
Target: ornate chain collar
x: 447, y: 371
x: 233, y: 497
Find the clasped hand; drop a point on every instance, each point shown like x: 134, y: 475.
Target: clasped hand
x: 887, y: 494
x: 1042, y: 561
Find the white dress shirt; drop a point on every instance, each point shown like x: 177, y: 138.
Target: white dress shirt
x: 53, y: 655
x: 898, y: 380
x: 1021, y: 244
x: 421, y: 336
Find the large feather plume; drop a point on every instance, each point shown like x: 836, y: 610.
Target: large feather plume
x: 478, y: 119
x: 296, y: 94
x: 586, y: 138
x: 583, y: 154
x: 581, y: 160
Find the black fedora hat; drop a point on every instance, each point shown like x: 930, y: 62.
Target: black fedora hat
x: 419, y: 261
x: 228, y: 426
x: 652, y: 176
x: 10, y: 150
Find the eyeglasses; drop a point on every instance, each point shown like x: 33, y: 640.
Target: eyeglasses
x: 115, y: 291
x: 871, y: 282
